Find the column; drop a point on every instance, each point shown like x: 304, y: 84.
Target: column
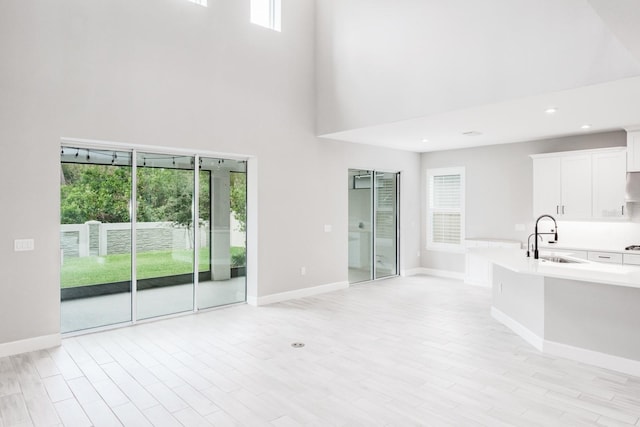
x: 220, y: 225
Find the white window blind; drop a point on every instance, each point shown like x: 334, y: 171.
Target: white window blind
x: 445, y: 209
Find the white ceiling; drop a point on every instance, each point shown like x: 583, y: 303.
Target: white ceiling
x: 609, y: 105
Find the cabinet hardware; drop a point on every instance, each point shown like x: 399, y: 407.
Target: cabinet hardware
x: 622, y: 210
x: 557, y: 209
x: 562, y: 209
x: 604, y: 257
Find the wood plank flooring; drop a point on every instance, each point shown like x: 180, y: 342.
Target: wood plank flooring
x: 401, y: 352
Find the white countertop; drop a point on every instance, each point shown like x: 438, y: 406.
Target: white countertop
x: 550, y: 246
x: 595, y: 272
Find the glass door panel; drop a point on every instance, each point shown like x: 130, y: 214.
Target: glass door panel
x: 223, y: 197
x: 360, y: 226
x: 95, y: 238
x: 165, y: 235
x: 386, y: 225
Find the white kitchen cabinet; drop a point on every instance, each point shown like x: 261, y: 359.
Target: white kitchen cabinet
x: 576, y: 187
x: 633, y: 151
x: 478, y: 270
x: 609, y: 180
x: 562, y: 186
x: 580, y: 184
x: 608, y: 257
x: 547, y: 196
x: 632, y: 259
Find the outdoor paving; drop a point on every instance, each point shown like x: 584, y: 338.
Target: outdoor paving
x: 105, y: 310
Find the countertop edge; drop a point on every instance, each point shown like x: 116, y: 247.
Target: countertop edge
x: 592, y: 272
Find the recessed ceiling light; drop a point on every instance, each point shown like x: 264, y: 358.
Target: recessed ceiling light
x: 472, y: 133
x: 587, y: 126
x: 425, y: 140
x: 551, y: 110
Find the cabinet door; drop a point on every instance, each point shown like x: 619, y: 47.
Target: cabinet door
x: 576, y: 187
x: 633, y: 151
x: 546, y: 186
x: 609, y: 180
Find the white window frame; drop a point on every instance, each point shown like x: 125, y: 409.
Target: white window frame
x: 437, y: 246
x: 199, y: 2
x: 274, y: 18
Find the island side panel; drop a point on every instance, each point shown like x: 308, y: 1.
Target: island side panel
x: 597, y: 317
x: 521, y: 298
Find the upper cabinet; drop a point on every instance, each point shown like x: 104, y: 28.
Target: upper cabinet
x: 575, y: 186
x: 562, y: 186
x: 633, y: 151
x: 580, y: 184
x: 547, y: 195
x: 609, y: 180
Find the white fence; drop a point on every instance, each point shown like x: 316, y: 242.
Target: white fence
x: 94, y: 238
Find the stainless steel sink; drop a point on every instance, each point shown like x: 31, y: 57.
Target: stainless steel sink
x: 560, y: 259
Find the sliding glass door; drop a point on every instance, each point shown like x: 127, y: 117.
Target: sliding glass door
x: 164, y: 234
x: 360, y: 226
x: 373, y: 225
x: 386, y: 226
x: 123, y: 261
x: 95, y: 238
x: 224, y: 209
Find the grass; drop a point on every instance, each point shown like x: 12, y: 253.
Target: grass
x: 95, y: 270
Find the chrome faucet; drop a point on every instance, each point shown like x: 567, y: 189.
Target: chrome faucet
x: 529, y: 247
x: 553, y: 231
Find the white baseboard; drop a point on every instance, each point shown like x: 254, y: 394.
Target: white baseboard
x: 29, y: 344
x: 603, y: 360
x: 517, y: 327
x: 298, y: 293
x: 590, y: 357
x: 411, y: 272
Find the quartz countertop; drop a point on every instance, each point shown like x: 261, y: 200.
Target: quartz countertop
x: 586, y: 271
x: 550, y: 246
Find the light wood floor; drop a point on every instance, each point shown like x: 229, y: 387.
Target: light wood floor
x: 402, y: 352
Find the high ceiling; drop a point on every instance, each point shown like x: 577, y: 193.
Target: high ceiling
x: 426, y: 75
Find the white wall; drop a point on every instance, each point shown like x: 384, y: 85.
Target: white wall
x: 382, y: 61
x: 170, y: 73
x: 499, y: 193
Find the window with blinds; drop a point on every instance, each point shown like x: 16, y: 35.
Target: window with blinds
x: 445, y: 209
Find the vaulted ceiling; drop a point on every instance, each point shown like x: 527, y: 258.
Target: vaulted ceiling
x: 426, y: 75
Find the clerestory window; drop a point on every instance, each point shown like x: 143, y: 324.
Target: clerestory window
x: 266, y: 13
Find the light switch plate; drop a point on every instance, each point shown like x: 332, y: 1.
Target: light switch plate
x: 21, y: 245
x: 327, y: 228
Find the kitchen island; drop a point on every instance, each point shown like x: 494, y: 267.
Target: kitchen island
x: 585, y: 311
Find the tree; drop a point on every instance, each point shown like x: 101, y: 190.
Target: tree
x: 95, y: 192
x: 102, y: 193
x: 238, y: 195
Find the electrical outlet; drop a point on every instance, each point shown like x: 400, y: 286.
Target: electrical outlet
x: 327, y: 228
x: 520, y: 227
x: 20, y: 245
x: 303, y: 271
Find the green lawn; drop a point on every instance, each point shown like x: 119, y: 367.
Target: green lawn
x: 117, y: 268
